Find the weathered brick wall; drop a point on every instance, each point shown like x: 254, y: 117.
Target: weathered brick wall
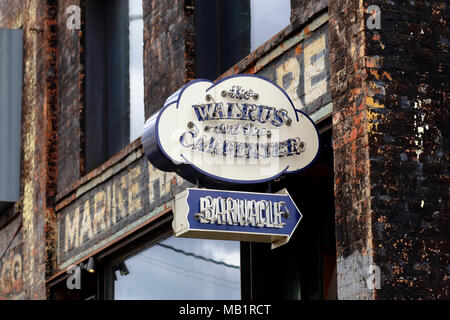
x: 36, y: 240
x: 114, y: 199
x: 71, y: 98
x: 169, y: 49
x: 302, y: 10
x: 169, y: 45
x: 127, y: 190
x: 169, y: 63
x: 11, y: 281
x: 11, y: 262
x: 96, y: 209
x: 408, y: 134
x: 351, y: 157
x: 40, y: 106
x: 390, y: 129
x: 303, y: 71
x: 297, y: 59
x: 389, y: 90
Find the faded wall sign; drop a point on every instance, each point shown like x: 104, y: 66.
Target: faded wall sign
x: 11, y: 262
x: 304, y: 71
x: 113, y: 207
x: 11, y: 281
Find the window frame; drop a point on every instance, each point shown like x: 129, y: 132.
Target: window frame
x: 156, y: 232
x: 107, y: 89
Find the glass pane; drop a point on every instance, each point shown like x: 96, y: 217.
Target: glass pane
x: 268, y: 18
x: 136, y: 69
x: 178, y: 268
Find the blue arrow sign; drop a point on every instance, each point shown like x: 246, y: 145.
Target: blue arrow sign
x: 234, y: 215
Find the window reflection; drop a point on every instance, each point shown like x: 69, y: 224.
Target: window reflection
x: 179, y: 268
x: 136, y: 68
x: 268, y: 17
x: 228, y: 30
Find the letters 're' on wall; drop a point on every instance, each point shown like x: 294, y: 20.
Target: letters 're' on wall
x: 107, y: 210
x: 303, y: 71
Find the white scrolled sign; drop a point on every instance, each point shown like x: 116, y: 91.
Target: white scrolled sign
x: 242, y: 129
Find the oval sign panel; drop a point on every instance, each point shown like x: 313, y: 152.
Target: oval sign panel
x: 242, y: 129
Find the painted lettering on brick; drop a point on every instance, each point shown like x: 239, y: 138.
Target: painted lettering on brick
x: 104, y: 211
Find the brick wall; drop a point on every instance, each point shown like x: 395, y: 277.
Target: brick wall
x: 35, y: 238
x: 124, y: 193
x: 11, y: 262
x: 351, y: 158
x: 408, y: 79
x: 169, y: 49
x: 297, y: 59
x: 71, y: 99
x: 53, y: 164
x: 303, y: 71
x: 389, y: 90
x: 390, y: 130
x: 127, y: 190
x: 302, y: 10
x: 11, y: 283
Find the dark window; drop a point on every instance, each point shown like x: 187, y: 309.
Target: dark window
x: 228, y: 30
x: 10, y: 115
x: 114, y: 64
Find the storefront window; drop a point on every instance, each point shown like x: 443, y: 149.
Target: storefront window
x: 179, y: 268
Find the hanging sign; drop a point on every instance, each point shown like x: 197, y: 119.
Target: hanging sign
x: 233, y: 215
x: 241, y: 129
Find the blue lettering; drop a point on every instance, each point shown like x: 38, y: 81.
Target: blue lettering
x: 200, y: 112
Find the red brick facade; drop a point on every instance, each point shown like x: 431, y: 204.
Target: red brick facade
x: 386, y: 91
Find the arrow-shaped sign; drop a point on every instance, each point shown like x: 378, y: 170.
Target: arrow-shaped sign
x: 234, y: 215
